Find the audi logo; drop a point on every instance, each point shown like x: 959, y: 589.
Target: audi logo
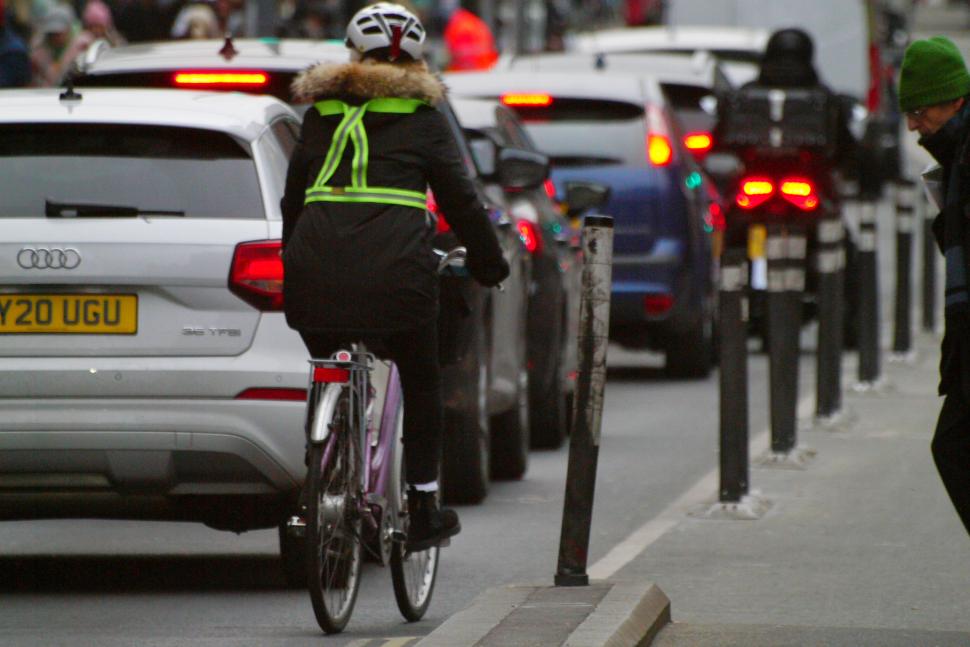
x: 48, y: 258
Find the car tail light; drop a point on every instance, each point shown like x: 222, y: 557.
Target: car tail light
x: 196, y: 78
x: 754, y: 192
x: 256, y: 275
x: 660, y: 152
x: 800, y: 192
x: 530, y: 235
x: 550, y: 189
x: 295, y: 395
x: 527, y: 100
x: 657, y: 304
x: 698, y: 143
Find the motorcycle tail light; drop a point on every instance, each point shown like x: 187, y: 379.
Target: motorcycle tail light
x: 754, y: 191
x: 800, y: 192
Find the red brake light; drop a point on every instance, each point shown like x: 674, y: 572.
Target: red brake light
x: 657, y: 304
x: 530, y: 235
x: 217, y: 78
x: 800, y: 192
x: 698, y: 143
x: 273, y: 394
x: 754, y: 191
x: 550, y: 189
x: 527, y: 100
x: 659, y: 150
x: 441, y: 225
x: 256, y: 275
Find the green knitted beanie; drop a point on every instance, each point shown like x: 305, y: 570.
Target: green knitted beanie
x: 933, y: 71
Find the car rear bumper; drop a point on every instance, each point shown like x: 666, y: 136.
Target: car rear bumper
x: 164, y: 447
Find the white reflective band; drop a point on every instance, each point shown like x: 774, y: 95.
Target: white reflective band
x: 796, y: 247
x: 775, y: 247
x: 904, y: 223
x: 828, y: 262
x: 867, y: 213
x: 867, y: 241
x: 829, y: 231
x: 732, y: 278
x: 795, y: 279
x: 776, y: 280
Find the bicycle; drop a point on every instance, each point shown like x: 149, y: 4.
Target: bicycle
x: 356, y: 491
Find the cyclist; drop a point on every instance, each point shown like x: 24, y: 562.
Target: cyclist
x: 357, y: 238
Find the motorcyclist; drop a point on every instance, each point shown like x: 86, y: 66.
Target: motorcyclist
x: 357, y: 239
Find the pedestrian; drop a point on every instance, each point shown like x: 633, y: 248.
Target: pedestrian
x: 933, y: 94
x: 14, y: 60
x: 98, y: 23
x: 356, y: 236
x: 55, y: 45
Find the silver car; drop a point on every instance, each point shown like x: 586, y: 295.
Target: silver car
x: 146, y: 369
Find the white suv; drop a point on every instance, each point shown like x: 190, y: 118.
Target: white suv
x: 146, y: 369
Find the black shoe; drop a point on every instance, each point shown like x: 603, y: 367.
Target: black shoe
x: 429, y: 525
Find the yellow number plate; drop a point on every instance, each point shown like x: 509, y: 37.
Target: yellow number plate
x: 92, y: 314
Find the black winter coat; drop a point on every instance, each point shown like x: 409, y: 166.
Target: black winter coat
x: 365, y: 268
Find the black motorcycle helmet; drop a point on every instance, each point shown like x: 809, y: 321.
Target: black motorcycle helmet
x: 787, y: 60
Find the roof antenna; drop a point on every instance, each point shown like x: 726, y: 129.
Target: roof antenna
x: 600, y: 63
x: 228, y: 50
x: 69, y: 94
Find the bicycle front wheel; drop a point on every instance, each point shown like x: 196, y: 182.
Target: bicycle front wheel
x: 333, y: 525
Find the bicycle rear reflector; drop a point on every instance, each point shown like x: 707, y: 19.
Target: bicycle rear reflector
x: 331, y: 375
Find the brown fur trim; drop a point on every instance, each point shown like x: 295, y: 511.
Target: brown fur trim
x: 368, y: 80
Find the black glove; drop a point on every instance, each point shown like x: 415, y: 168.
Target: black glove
x: 488, y: 274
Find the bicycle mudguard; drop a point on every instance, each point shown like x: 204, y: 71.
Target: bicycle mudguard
x: 324, y: 413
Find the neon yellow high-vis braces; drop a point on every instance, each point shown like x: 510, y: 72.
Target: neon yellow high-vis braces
x: 351, y: 128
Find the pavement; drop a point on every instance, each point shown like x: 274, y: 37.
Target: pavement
x: 859, y: 547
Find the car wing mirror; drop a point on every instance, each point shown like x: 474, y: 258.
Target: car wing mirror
x: 520, y: 169
x: 582, y: 196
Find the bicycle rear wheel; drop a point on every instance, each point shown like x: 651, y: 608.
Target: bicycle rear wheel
x: 412, y: 574
x: 333, y: 525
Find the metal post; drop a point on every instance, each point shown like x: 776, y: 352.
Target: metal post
x: 868, y: 297
x: 588, y: 409
x: 732, y: 327
x: 786, y: 283
x: 831, y: 305
x: 929, y: 265
x: 902, y: 330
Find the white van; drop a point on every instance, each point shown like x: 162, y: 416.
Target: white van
x: 840, y: 28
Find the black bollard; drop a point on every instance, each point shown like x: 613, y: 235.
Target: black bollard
x: 831, y: 307
x: 868, y: 319
x: 733, y: 347
x: 929, y: 263
x: 902, y: 329
x: 786, y: 284
x: 584, y: 441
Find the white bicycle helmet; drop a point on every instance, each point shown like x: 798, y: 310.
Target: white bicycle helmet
x: 386, y: 25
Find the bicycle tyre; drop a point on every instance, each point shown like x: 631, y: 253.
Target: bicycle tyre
x: 334, y: 555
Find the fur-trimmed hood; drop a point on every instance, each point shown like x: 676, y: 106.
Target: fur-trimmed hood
x: 369, y: 79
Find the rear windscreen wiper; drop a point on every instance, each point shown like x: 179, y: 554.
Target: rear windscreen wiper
x: 54, y: 209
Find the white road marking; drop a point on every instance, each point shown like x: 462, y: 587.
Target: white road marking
x: 400, y: 642
x: 360, y: 642
x: 638, y: 541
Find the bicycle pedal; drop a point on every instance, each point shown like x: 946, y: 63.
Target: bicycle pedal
x: 296, y: 526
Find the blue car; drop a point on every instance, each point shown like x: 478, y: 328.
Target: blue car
x: 617, y: 130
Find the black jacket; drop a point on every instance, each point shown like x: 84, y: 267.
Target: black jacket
x: 365, y: 268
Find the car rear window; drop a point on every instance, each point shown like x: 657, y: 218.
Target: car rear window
x: 584, y: 132
x: 203, y: 173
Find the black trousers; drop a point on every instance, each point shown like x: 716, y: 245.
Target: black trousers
x: 415, y: 352
x: 951, y: 451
